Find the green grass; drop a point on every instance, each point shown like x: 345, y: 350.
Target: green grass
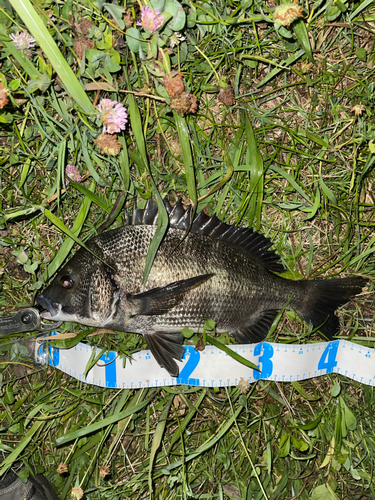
x: 290, y: 157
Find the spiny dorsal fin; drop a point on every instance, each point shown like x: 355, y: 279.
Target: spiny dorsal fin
x: 179, y: 218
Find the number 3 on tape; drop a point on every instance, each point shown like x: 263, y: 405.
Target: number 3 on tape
x: 265, y: 353
x: 328, y: 359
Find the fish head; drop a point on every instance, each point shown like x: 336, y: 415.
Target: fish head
x: 82, y: 292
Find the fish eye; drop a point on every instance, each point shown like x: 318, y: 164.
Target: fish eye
x: 67, y: 281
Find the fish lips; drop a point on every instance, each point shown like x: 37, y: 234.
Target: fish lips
x: 52, y: 307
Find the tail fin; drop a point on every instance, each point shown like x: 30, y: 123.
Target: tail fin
x: 324, y: 297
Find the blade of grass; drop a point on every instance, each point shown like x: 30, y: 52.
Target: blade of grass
x: 231, y: 353
x: 91, y: 196
x: 124, y: 164
x: 102, y: 423
x: 10, y: 459
x: 24, y: 173
x: 89, y: 164
x: 360, y: 8
x: 136, y: 125
x: 162, y: 227
x: 136, y: 122
x: 291, y: 181
x: 187, y: 157
x: 68, y: 243
x: 255, y: 162
x: 210, y: 442
x: 156, y: 441
x: 288, y: 62
x: 39, y: 31
x: 22, y: 60
x: 60, y: 225
x: 187, y: 419
x: 123, y: 424
x: 245, y: 447
x: 115, y: 212
x: 300, y: 30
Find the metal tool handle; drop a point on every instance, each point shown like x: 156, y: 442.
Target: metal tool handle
x: 25, y: 320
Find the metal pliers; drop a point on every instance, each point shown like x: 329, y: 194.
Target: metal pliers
x: 25, y: 320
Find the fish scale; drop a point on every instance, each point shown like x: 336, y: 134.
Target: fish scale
x: 215, y: 271
x: 222, y: 298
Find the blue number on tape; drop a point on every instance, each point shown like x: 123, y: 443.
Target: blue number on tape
x: 192, y: 363
x: 53, y: 352
x: 110, y: 369
x: 328, y: 358
x: 265, y: 353
x: 55, y: 356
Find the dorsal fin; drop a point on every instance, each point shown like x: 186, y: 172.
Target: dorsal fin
x: 179, y: 218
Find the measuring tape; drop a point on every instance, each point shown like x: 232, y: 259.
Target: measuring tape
x: 213, y: 367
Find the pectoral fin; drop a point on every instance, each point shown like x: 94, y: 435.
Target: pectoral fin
x: 166, y: 347
x: 160, y: 300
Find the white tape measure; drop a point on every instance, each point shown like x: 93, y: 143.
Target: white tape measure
x: 214, y: 368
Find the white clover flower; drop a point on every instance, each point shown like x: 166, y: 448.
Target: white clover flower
x: 176, y: 39
x: 22, y: 40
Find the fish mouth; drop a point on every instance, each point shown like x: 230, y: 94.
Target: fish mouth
x: 52, y: 308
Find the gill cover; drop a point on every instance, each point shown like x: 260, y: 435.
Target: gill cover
x: 83, y: 292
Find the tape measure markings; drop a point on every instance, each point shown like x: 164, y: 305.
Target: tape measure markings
x: 215, y: 368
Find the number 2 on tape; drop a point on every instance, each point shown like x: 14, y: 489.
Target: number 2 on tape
x: 328, y: 359
x: 192, y: 362
x: 265, y: 353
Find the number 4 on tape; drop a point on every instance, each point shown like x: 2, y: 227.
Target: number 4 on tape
x: 328, y: 359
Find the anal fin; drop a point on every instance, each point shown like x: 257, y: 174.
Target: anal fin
x: 166, y: 347
x: 257, y: 330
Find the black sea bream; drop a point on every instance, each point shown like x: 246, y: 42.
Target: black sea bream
x: 216, y: 271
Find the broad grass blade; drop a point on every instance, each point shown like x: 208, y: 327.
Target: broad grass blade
x: 231, y: 353
x: 187, y: 157
x: 220, y: 432
x: 292, y: 182
x: 68, y: 243
x: 39, y: 31
x: 124, y: 164
x: 360, y: 8
x: 193, y: 409
x: 136, y: 123
x: 122, y: 424
x: 158, y: 238
x: 158, y: 435
x: 25, y: 441
x: 23, y: 61
x: 288, y: 62
x: 113, y: 419
x: 256, y: 167
x: 299, y: 28
x: 91, y: 196
x: 59, y: 224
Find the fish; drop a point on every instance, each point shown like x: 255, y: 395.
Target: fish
x: 204, y: 268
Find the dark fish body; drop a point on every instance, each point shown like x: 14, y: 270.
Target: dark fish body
x: 216, y: 271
